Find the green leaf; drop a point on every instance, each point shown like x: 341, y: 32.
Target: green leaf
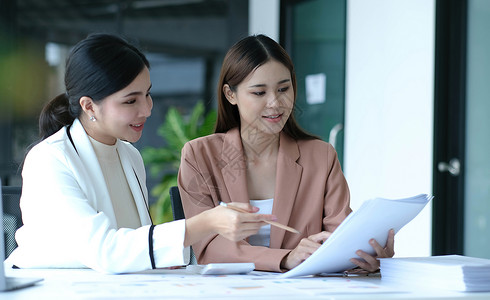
x: 208, y: 124
x: 194, y: 119
x: 176, y: 130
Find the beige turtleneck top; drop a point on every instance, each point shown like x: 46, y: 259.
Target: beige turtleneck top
x: 122, y: 199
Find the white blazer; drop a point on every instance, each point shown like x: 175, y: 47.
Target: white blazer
x: 69, y: 220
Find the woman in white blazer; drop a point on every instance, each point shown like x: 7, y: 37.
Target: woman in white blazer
x: 84, y: 198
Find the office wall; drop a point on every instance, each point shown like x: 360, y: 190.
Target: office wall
x: 389, y: 107
x: 263, y: 17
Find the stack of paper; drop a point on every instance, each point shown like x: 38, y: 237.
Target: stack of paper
x: 452, y: 272
x: 373, y: 219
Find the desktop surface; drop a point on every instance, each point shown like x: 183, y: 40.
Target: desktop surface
x: 180, y: 283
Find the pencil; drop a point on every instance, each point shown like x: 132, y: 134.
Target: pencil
x: 273, y: 223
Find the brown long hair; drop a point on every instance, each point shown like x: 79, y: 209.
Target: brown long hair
x: 242, y: 58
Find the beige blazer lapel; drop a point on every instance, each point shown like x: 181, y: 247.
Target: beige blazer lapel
x: 234, y: 169
x: 288, y: 176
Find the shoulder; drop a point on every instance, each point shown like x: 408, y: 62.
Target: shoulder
x: 212, y: 139
x: 55, y: 142
x: 210, y: 143
x: 315, y: 146
x: 206, y: 152
x: 316, y: 150
x: 53, y: 148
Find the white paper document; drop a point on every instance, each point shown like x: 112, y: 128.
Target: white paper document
x: 373, y: 219
x: 448, y: 272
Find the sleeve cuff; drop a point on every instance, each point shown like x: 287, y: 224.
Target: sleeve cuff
x: 168, y: 245
x: 150, y: 246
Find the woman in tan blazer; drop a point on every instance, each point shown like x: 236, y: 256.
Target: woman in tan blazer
x: 259, y: 155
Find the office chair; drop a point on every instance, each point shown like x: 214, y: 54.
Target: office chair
x: 177, y: 209
x: 178, y: 213
x: 12, y: 218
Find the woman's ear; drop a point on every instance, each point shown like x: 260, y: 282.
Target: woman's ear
x: 229, y: 94
x: 87, y: 105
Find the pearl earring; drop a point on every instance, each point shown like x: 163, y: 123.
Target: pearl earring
x: 92, y: 118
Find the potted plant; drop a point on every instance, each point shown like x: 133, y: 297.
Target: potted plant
x: 176, y: 131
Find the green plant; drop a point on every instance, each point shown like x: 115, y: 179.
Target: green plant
x: 176, y: 131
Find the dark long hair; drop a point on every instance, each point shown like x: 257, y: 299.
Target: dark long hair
x: 97, y: 67
x: 242, y: 58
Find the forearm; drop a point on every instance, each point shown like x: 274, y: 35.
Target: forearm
x: 216, y: 249
x: 197, y: 228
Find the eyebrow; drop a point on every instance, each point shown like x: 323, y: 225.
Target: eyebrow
x: 262, y: 85
x: 136, y: 93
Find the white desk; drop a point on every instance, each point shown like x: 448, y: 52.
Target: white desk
x: 178, y: 284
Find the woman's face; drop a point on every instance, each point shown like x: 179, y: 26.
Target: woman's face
x: 123, y: 114
x: 265, y: 99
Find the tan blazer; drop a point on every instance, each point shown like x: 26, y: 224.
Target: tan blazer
x: 311, y: 194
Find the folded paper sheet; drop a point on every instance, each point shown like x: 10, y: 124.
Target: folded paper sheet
x: 373, y: 219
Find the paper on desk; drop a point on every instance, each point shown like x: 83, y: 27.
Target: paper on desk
x: 448, y: 272
x: 373, y: 219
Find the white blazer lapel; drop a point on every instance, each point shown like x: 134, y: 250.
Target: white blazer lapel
x: 97, y: 192
x: 136, y: 184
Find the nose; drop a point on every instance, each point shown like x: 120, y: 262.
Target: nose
x: 147, y: 107
x: 273, y: 100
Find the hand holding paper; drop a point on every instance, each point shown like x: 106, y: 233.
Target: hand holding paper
x: 373, y: 219
x: 305, y: 248
x: 371, y: 263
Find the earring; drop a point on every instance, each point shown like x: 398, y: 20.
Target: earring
x: 92, y: 118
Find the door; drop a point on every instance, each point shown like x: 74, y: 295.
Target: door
x: 477, y: 152
x: 461, y: 214
x: 313, y: 33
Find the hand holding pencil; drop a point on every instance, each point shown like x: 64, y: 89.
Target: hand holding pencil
x: 273, y: 223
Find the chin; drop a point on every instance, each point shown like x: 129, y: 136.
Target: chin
x: 275, y: 129
x: 132, y: 140
x: 129, y: 139
x: 271, y: 131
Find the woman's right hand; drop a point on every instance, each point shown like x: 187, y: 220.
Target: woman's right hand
x: 225, y: 221
x: 305, y: 249
x: 235, y: 225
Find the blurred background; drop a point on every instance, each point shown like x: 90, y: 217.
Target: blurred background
x: 398, y: 87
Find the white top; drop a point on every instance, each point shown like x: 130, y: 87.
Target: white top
x: 117, y: 184
x: 263, y: 237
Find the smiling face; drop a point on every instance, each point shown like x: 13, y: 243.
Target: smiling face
x: 265, y: 98
x: 121, y: 115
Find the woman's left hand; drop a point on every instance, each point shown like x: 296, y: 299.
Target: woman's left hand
x: 371, y: 263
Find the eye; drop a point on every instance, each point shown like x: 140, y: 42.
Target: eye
x: 258, y: 93
x: 284, y: 89
x: 130, y: 101
x: 148, y: 94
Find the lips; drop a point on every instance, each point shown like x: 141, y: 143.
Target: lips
x: 137, y: 127
x: 272, y: 116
